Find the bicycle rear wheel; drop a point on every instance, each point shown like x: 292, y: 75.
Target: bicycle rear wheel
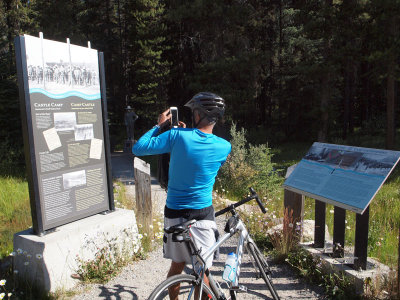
x: 186, y: 291
x: 263, y: 267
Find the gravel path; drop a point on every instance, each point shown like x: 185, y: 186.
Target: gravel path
x: 137, y: 280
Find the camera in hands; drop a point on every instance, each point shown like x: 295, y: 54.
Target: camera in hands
x: 174, y: 116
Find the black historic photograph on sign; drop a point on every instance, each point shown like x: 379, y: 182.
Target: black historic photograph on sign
x: 64, y: 121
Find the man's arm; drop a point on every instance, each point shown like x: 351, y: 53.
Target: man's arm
x: 151, y: 143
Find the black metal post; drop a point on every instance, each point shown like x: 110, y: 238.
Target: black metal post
x: 319, y: 230
x: 27, y: 132
x: 361, y: 242
x: 106, y: 131
x: 339, y: 219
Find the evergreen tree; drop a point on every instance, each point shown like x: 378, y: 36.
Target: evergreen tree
x: 15, y: 19
x: 147, y: 69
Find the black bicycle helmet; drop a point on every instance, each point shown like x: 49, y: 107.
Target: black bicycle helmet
x: 212, y: 105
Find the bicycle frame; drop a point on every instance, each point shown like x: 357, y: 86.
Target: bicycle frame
x: 235, y: 226
x: 244, y: 237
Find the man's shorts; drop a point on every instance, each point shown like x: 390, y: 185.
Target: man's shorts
x: 203, y: 232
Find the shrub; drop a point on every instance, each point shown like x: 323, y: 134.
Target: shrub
x: 248, y: 165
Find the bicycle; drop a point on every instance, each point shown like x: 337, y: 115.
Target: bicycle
x: 192, y: 284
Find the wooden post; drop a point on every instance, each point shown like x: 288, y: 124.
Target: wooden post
x: 339, y: 219
x: 294, y: 205
x: 319, y: 230
x: 143, y: 193
x: 361, y: 240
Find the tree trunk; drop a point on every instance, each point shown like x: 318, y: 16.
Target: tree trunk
x: 325, y: 86
x: 9, y: 33
x: 346, y: 106
x: 390, y: 88
x: 325, y: 95
x: 390, y: 104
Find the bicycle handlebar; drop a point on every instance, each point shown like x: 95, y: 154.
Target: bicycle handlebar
x: 253, y: 195
x: 258, y: 200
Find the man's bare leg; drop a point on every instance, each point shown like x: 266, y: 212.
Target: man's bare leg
x: 175, y: 269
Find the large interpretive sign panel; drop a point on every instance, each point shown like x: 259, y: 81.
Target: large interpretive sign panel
x: 347, y: 177
x: 64, y: 131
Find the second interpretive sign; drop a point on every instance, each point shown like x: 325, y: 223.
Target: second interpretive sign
x: 347, y: 177
x: 64, y: 131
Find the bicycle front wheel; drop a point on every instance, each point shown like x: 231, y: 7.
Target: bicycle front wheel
x: 187, y: 288
x: 263, y: 267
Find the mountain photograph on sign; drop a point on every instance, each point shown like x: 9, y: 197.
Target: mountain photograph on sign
x: 378, y: 163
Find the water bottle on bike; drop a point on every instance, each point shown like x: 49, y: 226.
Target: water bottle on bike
x: 230, y: 267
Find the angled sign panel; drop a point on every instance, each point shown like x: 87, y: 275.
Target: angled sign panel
x: 347, y: 177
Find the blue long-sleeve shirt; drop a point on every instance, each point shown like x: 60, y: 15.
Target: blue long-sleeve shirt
x: 195, y: 160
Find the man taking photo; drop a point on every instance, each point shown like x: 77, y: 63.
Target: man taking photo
x: 196, y: 156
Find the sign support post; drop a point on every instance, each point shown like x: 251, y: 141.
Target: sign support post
x: 361, y: 242
x: 27, y: 132
x: 339, y: 221
x: 319, y: 232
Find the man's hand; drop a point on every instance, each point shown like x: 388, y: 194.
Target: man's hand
x: 163, y: 117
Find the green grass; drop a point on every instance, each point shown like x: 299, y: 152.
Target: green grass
x: 384, y: 223
x: 15, y: 212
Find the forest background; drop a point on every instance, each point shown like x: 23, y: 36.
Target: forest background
x: 315, y: 70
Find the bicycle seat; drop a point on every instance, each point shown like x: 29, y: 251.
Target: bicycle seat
x: 179, y: 228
